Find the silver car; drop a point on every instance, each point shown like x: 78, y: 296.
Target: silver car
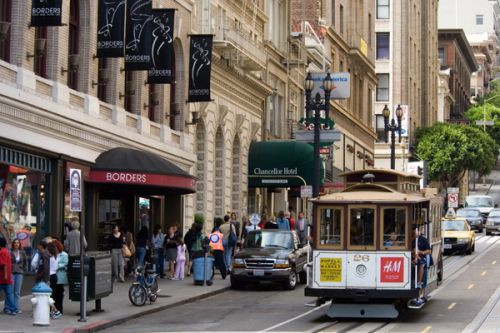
x: 493, y: 222
x: 473, y: 216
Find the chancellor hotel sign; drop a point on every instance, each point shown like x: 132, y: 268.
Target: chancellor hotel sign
x: 275, y: 172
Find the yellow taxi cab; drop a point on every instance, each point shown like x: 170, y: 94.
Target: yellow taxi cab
x: 457, y: 234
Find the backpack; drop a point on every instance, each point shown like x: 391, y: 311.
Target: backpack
x: 197, y: 244
x: 232, y: 240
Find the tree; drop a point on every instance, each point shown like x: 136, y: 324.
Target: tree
x: 450, y: 150
x: 492, y: 112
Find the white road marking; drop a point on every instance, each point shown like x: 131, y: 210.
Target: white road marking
x: 294, y: 318
x: 470, y: 286
x: 494, y: 262
x: 452, y: 305
x: 427, y: 329
x: 484, y: 273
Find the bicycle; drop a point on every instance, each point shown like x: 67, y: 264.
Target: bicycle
x: 144, y: 287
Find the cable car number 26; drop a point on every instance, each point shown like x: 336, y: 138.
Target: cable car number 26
x: 361, y: 257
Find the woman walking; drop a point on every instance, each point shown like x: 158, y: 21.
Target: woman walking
x: 57, y: 295
x: 18, y: 257
x: 180, y: 261
x: 116, y: 242
x: 62, y: 273
x: 171, y: 240
x: 157, y: 241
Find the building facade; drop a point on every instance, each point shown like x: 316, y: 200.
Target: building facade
x: 407, y: 72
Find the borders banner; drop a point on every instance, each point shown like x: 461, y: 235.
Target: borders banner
x: 46, y: 13
x: 162, y: 46
x: 111, y: 29
x: 200, y: 65
x: 138, y: 35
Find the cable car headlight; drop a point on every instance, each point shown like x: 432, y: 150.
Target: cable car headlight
x: 361, y: 269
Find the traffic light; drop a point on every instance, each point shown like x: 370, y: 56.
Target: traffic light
x: 420, y: 171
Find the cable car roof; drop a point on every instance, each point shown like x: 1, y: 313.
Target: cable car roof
x: 374, y: 171
x: 370, y: 192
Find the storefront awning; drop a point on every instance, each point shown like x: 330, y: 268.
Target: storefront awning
x: 281, y: 164
x: 135, y: 168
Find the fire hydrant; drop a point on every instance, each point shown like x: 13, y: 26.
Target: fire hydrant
x: 41, y: 304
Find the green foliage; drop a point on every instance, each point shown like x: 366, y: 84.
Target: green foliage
x: 199, y: 218
x: 451, y: 149
x: 492, y: 113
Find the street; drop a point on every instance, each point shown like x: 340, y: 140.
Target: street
x: 469, y: 282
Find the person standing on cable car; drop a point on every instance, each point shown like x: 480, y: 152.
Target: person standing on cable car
x: 423, y: 259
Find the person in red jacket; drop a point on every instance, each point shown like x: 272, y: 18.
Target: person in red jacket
x: 291, y: 220
x: 6, y: 279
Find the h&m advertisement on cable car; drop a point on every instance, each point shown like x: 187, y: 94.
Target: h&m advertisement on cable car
x: 162, y: 46
x: 46, y: 13
x: 110, y: 28
x: 138, y: 35
x: 200, y: 66
x: 340, y: 269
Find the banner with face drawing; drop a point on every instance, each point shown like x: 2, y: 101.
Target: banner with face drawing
x: 162, y: 46
x: 138, y: 35
x: 46, y: 13
x: 110, y: 28
x: 200, y: 60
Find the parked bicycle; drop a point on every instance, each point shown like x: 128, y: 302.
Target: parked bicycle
x: 145, y: 286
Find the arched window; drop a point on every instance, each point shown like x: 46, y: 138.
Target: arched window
x: 39, y: 52
x: 200, y: 146
x: 5, y: 10
x: 74, y: 39
x: 129, y: 91
x: 153, y: 101
x: 236, y: 176
x: 102, y: 79
x: 177, y: 93
x: 219, y: 174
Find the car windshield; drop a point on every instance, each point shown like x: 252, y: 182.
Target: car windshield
x: 494, y: 213
x: 263, y: 239
x: 456, y: 225
x: 468, y: 213
x: 479, y: 202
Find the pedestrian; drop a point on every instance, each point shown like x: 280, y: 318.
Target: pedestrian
x: 237, y: 225
x: 56, y: 292
x: 41, y: 261
x: 230, y: 240
x: 422, y: 257
x: 6, y: 279
x: 72, y: 241
x: 301, y: 228
x: 128, y: 256
x: 62, y: 273
x: 217, y: 247
x: 157, y: 241
x: 263, y: 221
x: 171, y: 242
x: 189, y: 239
x: 116, y: 243
x: 271, y: 224
x: 18, y: 257
x: 291, y: 220
x: 282, y: 222
x: 142, y: 245
x: 180, y: 260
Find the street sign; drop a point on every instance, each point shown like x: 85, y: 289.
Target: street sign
x: 452, y: 189
x: 485, y: 123
x: 453, y: 200
x: 75, y: 190
x: 254, y: 219
x: 328, y: 136
x: 324, y: 150
x: 306, y: 191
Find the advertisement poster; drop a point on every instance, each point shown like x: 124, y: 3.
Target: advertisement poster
x: 46, y: 13
x: 162, y: 46
x: 138, y: 35
x: 75, y: 190
x: 200, y: 61
x: 111, y: 28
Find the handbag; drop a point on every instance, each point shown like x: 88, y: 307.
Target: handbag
x: 126, y: 251
x: 132, y: 247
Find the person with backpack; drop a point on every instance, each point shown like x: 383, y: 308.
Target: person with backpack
x: 229, y: 231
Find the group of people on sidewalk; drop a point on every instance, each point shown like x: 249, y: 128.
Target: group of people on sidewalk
x: 50, y: 264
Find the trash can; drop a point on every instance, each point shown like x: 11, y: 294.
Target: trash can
x: 198, y: 270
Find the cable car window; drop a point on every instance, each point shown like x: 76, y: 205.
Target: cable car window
x: 362, y: 227
x: 394, y: 228
x: 330, y: 227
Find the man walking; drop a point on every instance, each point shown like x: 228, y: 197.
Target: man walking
x: 6, y: 279
x: 301, y: 227
x: 217, y: 248
x: 230, y: 239
x: 72, y: 241
x: 282, y: 221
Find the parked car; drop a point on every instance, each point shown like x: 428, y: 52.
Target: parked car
x: 493, y: 222
x: 457, y: 235
x: 270, y: 255
x: 482, y: 202
x: 473, y: 216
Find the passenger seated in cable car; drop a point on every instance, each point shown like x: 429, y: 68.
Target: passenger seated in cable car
x: 392, y: 240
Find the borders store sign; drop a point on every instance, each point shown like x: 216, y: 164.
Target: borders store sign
x: 46, y: 13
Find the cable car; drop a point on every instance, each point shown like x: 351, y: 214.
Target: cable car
x: 363, y: 244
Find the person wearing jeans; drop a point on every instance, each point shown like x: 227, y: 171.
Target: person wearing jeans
x: 18, y: 259
x: 142, y: 244
x: 157, y: 242
x: 6, y: 279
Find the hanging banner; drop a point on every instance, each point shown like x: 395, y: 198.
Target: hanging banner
x: 75, y: 190
x: 138, y: 35
x: 200, y: 55
x: 162, y: 46
x: 110, y: 28
x: 46, y: 13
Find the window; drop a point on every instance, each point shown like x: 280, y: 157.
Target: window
x: 40, y: 59
x: 153, y: 101
x: 479, y: 19
x: 341, y: 12
x: 74, y: 33
x: 383, y: 87
x: 382, y: 9
x: 394, y: 228
x: 380, y: 128
x: 441, y: 54
x: 362, y: 227
x: 370, y: 30
x: 102, y: 75
x: 333, y: 13
x: 5, y: 7
x: 330, y: 227
x: 383, y: 42
x: 129, y: 89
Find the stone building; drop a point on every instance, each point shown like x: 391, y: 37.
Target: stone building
x: 407, y: 71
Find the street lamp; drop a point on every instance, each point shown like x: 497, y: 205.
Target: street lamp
x: 392, y: 127
x: 317, y: 105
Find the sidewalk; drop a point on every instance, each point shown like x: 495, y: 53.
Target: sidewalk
x: 117, y: 307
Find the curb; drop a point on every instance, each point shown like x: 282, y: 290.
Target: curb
x: 103, y: 324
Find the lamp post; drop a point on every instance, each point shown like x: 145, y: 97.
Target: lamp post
x: 317, y: 105
x: 392, y: 127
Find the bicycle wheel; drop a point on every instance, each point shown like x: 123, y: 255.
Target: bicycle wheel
x: 137, y: 294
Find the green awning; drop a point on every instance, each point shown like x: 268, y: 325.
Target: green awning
x: 281, y: 164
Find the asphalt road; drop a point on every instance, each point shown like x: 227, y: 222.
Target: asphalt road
x: 469, y: 282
